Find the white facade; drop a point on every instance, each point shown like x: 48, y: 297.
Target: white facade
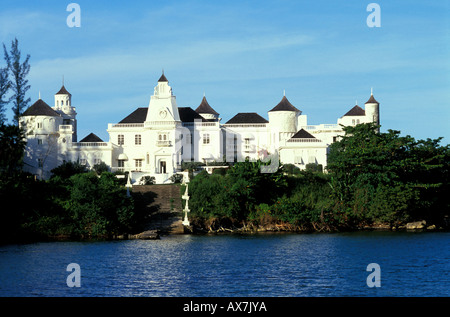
x: 155, y: 140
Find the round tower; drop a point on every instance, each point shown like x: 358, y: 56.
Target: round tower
x: 63, y: 105
x: 206, y: 111
x: 283, y: 117
x: 372, y: 109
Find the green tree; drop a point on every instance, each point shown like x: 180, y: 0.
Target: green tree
x: 12, y: 147
x: 68, y: 169
x: 5, y: 84
x: 19, y: 84
x: 387, y: 177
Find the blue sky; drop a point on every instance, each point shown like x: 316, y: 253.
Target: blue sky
x: 242, y: 55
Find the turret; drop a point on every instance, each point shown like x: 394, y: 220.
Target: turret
x: 63, y: 106
x: 372, y: 110
x: 283, y: 117
x: 163, y: 104
x: 206, y: 111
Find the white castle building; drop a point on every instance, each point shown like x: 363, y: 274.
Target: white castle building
x: 155, y: 140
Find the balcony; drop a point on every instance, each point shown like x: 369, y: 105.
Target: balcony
x: 163, y: 143
x: 65, y: 128
x: 90, y: 144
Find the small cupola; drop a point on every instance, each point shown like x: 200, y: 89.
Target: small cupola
x: 206, y: 111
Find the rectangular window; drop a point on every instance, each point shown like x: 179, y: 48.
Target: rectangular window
x: 138, y: 164
x: 39, y: 141
x: 137, y: 139
x: 40, y: 162
x: 120, y: 139
x: 97, y: 161
x: 83, y: 161
x: 39, y: 125
x: 121, y: 163
x: 206, y: 138
x: 247, y: 145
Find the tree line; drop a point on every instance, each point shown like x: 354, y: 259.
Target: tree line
x: 74, y: 202
x: 372, y: 178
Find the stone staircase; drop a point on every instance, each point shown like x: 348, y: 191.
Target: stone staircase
x: 162, y: 204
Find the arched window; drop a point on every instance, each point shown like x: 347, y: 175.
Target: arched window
x: 62, y: 102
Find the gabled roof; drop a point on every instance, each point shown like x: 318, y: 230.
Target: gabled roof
x: 285, y: 105
x: 205, y: 107
x: 187, y: 114
x: 355, y: 111
x: 91, y: 138
x: 372, y: 99
x: 40, y: 108
x: 63, y: 91
x: 137, y: 116
x: 303, y: 134
x: 247, y: 117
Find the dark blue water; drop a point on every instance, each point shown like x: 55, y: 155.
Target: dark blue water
x: 411, y: 264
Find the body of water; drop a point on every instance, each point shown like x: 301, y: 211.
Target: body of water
x: 410, y: 264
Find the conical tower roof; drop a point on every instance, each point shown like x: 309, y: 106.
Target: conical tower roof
x: 40, y: 108
x: 284, y: 105
x: 204, y: 107
x: 63, y: 91
x: 162, y: 78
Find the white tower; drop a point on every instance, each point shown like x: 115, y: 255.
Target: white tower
x: 283, y: 120
x: 372, y: 109
x: 206, y: 111
x: 163, y: 104
x: 63, y: 105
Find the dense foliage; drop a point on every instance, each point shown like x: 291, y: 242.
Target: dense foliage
x: 390, y: 178
x: 74, y: 203
x: 371, y: 178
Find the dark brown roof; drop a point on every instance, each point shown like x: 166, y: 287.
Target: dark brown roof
x: 162, y: 78
x: 303, y: 134
x: 285, y: 105
x: 372, y: 99
x: 40, y: 108
x: 63, y: 91
x: 247, y: 117
x: 137, y: 116
x: 355, y: 111
x: 91, y: 138
x: 205, y: 108
x: 187, y: 114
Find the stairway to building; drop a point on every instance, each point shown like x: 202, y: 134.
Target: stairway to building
x: 162, y: 205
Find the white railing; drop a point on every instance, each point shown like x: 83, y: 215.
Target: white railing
x: 322, y: 127
x: 200, y: 124
x: 128, y: 125
x: 92, y: 144
x: 308, y: 140
x: 246, y: 125
x: 163, y: 143
x: 153, y: 123
x: 65, y: 127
